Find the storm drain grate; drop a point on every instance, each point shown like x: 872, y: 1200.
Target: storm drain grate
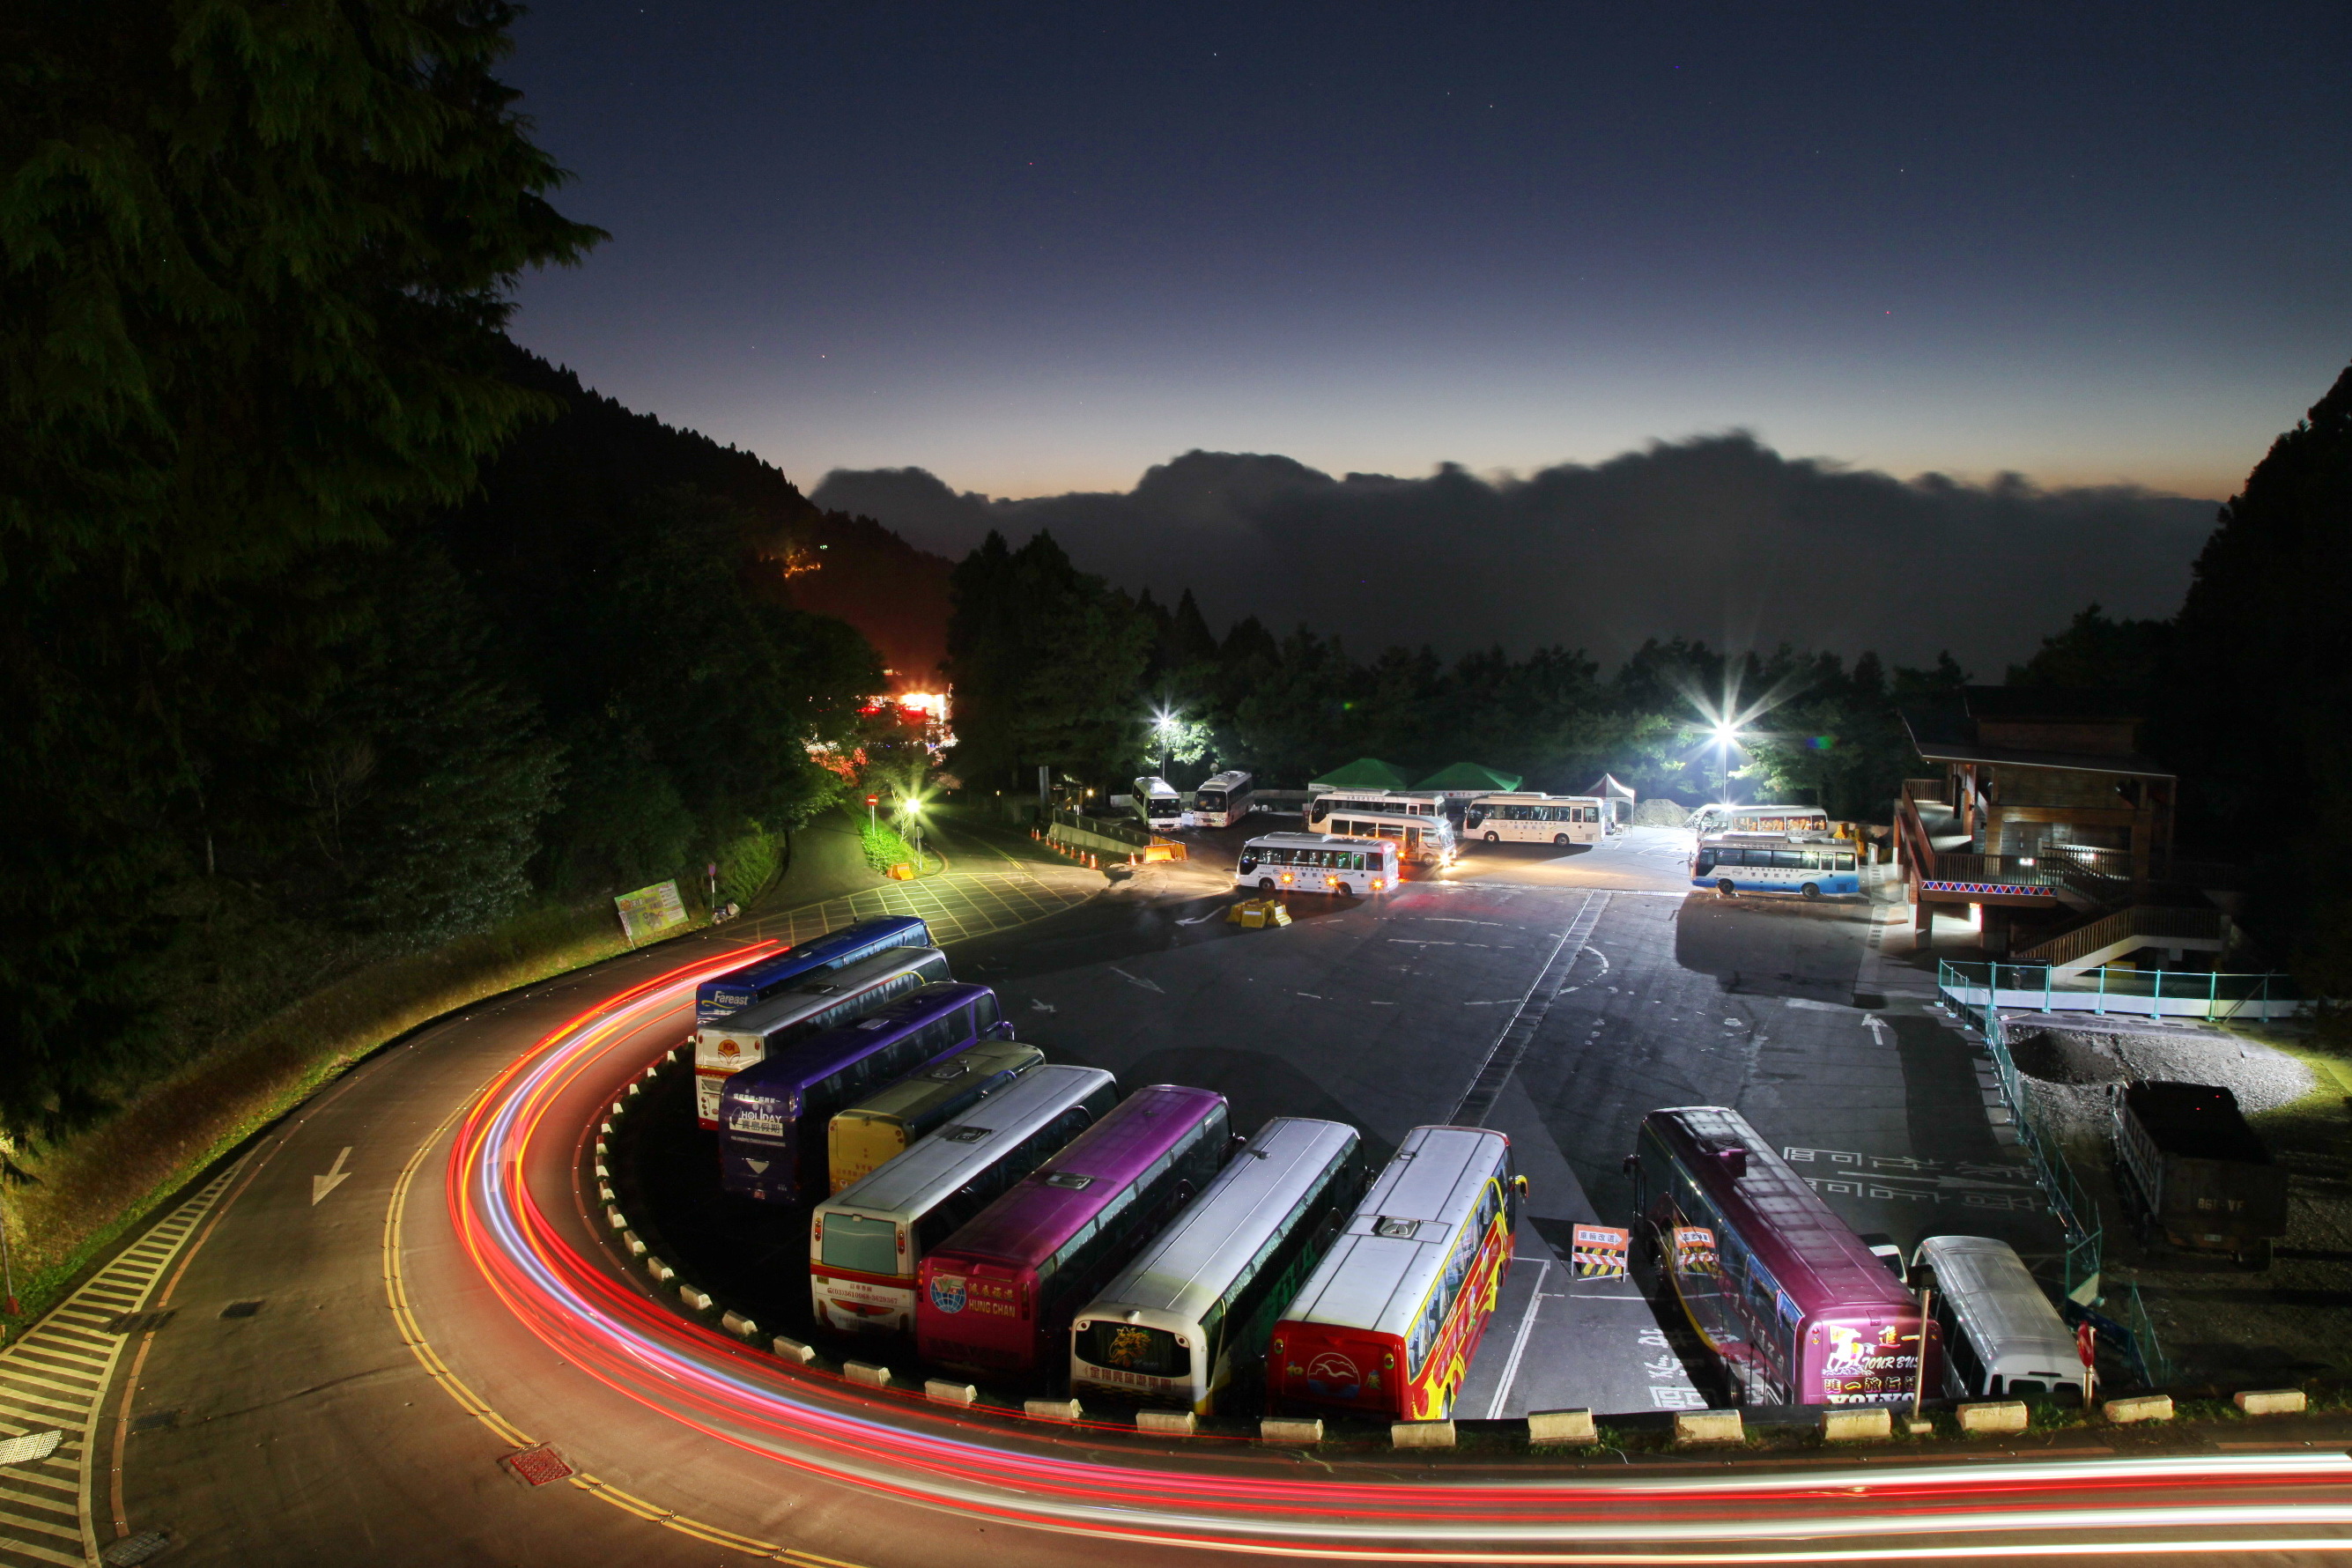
x: 539, y: 1463
x: 241, y: 1309
x: 139, y: 1322
x: 156, y: 1421
x: 135, y: 1549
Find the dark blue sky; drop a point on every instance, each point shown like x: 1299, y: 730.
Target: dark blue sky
x: 1036, y: 248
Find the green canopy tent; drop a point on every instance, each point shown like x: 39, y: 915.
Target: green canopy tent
x: 1364, y: 772
x: 1466, y: 777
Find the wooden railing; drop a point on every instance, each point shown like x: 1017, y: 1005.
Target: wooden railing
x: 2147, y: 922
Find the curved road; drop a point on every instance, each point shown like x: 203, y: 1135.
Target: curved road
x: 342, y: 1380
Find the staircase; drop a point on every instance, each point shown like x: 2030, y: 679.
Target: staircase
x: 2110, y: 937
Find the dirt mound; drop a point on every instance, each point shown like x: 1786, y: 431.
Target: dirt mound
x: 1657, y: 812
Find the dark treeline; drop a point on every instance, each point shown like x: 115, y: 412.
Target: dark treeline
x: 293, y: 676
x: 1056, y: 668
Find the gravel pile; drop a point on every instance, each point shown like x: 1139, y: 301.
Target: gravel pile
x: 2068, y: 1064
x: 1658, y: 812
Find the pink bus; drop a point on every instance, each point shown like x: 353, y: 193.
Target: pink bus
x: 997, y: 1297
x: 1794, y: 1307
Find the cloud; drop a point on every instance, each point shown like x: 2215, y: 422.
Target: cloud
x: 1718, y: 537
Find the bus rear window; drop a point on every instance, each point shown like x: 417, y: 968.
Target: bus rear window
x: 855, y: 1241
x: 1133, y: 1347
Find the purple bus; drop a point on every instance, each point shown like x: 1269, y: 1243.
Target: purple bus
x: 769, y: 976
x: 997, y: 1296
x: 1793, y: 1306
x: 773, y: 1119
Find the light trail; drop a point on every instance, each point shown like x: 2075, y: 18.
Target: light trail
x: 1229, y: 1497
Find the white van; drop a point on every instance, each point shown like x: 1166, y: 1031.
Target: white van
x: 1317, y: 863
x: 2003, y: 1339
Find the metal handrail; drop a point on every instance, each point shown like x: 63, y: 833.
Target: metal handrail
x: 2077, y: 1216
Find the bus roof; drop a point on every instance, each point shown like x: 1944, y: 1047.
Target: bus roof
x: 818, y: 953
x: 1316, y: 841
x: 1155, y: 786
x: 1996, y: 1299
x: 1192, y: 1263
x: 803, y: 1062
x: 1232, y: 779
x: 1533, y: 794
x: 907, y: 1099
x: 1818, y: 1260
x: 818, y: 992
x: 1755, y: 836
x: 934, y: 1165
x: 1029, y: 1224
x: 1376, y: 1282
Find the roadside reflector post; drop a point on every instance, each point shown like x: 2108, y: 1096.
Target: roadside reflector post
x: 866, y: 1372
x: 1051, y: 1409
x: 792, y: 1350
x: 1697, y: 1426
x: 697, y: 1299
x: 1276, y: 1429
x: 1994, y: 1416
x: 938, y: 1390
x: 2269, y: 1401
x: 1857, y: 1423
x: 1166, y: 1423
x: 741, y: 1327
x: 2139, y: 1408
x: 1421, y: 1434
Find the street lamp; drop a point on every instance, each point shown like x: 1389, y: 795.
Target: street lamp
x: 1725, y: 737
x: 1165, y: 724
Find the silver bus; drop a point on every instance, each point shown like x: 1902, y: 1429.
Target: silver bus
x: 1195, y: 1309
x: 1223, y: 801
x: 1317, y: 863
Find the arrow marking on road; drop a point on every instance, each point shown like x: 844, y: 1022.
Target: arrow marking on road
x: 335, y: 1178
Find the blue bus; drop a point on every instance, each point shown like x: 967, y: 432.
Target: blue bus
x: 755, y: 983
x: 772, y: 1118
x: 1809, y: 865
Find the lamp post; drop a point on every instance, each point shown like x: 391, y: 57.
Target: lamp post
x: 1725, y: 737
x: 1165, y: 724
x: 915, y: 817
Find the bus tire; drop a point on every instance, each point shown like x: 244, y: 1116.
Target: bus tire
x: 1724, y: 886
x: 1559, y: 840
x: 1812, y: 889
x: 1265, y: 884
x: 1494, y: 838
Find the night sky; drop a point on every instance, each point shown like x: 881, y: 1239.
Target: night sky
x: 1039, y: 249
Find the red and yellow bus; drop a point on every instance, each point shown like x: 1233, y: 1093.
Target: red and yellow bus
x: 1388, y: 1324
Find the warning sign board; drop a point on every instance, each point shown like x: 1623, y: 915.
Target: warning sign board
x: 1598, y: 1252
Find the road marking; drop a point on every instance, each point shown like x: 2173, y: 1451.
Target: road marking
x: 1520, y: 1344
x: 67, y: 1398
x: 335, y: 1178
x: 1511, y: 1045
x: 1135, y: 979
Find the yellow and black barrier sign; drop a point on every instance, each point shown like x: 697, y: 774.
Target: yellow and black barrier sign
x: 1598, y: 1252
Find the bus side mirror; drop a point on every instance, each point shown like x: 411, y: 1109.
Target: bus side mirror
x: 1633, y: 1163
x: 1520, y: 1185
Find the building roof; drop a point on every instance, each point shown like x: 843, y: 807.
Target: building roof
x: 2058, y: 704
x: 1944, y: 735
x: 1471, y: 776
x: 1364, y: 772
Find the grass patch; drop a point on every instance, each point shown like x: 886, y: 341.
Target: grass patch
x: 90, y: 1188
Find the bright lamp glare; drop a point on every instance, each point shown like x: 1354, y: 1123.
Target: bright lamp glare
x: 1726, y: 734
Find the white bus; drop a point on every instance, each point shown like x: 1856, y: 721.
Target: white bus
x: 2001, y: 1336
x: 725, y: 1046
x: 1427, y: 840
x: 1317, y: 863
x: 1374, y: 802
x: 1561, y: 819
x: 1195, y: 1307
x: 1223, y: 801
x: 866, y: 1241
x: 1760, y: 819
x: 1158, y: 804
x: 1808, y: 864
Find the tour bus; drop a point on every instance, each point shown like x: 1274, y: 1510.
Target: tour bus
x: 1387, y: 1324
x: 814, y: 1003
x: 1430, y: 840
x: 755, y: 983
x: 1761, y: 819
x: 877, y: 1130
x: 1158, y: 804
x: 2001, y: 1337
x: 1561, y: 819
x: 1734, y: 863
x: 1791, y: 1305
x: 1191, y: 1314
x: 1223, y: 801
x: 770, y: 1147
x: 1374, y: 802
x: 866, y: 1241
x: 997, y: 1296
x: 1317, y: 863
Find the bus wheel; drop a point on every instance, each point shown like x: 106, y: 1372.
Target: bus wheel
x: 1812, y: 889
x: 1494, y: 838
x: 1265, y: 884
x: 1725, y: 887
x: 1560, y: 840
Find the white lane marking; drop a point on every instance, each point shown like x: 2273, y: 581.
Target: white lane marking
x: 1520, y: 1345
x: 335, y: 1178
x: 1135, y: 979
x: 1876, y: 1025
x: 1042, y: 1006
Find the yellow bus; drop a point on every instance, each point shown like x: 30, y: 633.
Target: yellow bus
x: 877, y: 1129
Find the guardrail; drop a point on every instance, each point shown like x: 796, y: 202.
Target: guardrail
x: 2077, y: 1213
x: 2136, y: 993
x: 2142, y: 921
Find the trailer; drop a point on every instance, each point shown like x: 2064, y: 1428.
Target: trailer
x: 2191, y: 1173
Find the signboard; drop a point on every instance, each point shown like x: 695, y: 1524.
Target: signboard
x: 649, y: 911
x: 1598, y: 1252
